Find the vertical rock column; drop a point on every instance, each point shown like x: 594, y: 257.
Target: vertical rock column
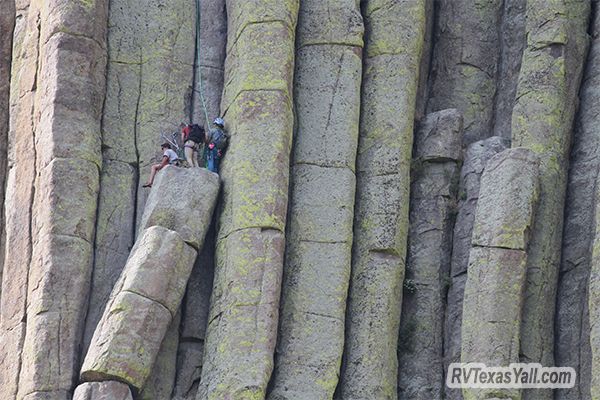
x: 7, y: 24
x: 495, y: 284
x: 572, y: 347
x: 56, y: 161
x: 434, y: 189
x: 476, y: 156
x: 465, y: 61
x: 548, y: 85
x: 594, y: 304
x: 19, y: 198
x: 211, y: 57
x: 257, y: 101
x: 146, y: 298
x: 394, y: 34
x: 149, y: 78
x: 319, y: 235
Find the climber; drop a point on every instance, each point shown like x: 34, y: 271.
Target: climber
x: 191, y: 136
x: 216, y: 143
x: 169, y: 158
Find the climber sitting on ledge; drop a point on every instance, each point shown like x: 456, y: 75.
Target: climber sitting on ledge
x: 169, y: 158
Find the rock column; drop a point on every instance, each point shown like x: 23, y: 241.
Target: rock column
x: 323, y: 181
x: 434, y: 187
x: 476, y: 157
x: 496, y: 279
x: 394, y: 35
x: 572, y: 347
x: 257, y: 103
x: 147, y: 296
x: 548, y: 84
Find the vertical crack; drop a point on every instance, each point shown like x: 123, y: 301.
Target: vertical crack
x: 137, y: 151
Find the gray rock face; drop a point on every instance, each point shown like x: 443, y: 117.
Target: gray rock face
x: 476, y: 157
x: 512, y: 44
x: 465, y: 62
x: 319, y: 234
x: 60, y: 54
x: 435, y: 175
x: 161, y: 382
x: 142, y: 306
x: 496, y: 278
x: 395, y: 39
x: 7, y: 25
x: 257, y: 101
x: 594, y: 307
x: 551, y: 94
x: 572, y: 346
x: 109, y: 390
x: 182, y: 200
x: 148, y: 91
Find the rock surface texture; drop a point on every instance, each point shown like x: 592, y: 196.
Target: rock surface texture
x: 435, y: 175
x: 323, y: 181
x: 344, y: 257
x: 496, y: 278
x: 394, y: 42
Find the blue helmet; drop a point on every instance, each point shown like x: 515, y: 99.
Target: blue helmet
x: 219, y: 121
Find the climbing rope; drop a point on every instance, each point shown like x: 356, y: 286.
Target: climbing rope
x: 198, y: 65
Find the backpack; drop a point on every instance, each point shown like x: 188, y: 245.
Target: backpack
x: 196, y: 134
x: 219, y: 138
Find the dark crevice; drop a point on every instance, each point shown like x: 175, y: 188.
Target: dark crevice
x: 137, y: 173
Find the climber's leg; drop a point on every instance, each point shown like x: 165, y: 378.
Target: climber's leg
x: 189, y: 153
x: 155, y: 169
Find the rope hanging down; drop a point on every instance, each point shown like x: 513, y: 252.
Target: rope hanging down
x: 198, y: 65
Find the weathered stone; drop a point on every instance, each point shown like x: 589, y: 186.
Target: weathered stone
x: 19, y: 197
x: 210, y: 60
x: 250, y: 241
x: 433, y: 202
x: 512, y: 43
x: 556, y: 43
x: 143, y: 303
x: 572, y: 346
x: 113, y: 241
x: 161, y: 382
x: 506, y: 200
x: 159, y: 267
x: 319, y: 236
x: 183, y: 200
x: 148, y: 91
x: 465, y: 62
x: 7, y: 25
x: 476, y: 158
x: 63, y: 46
x: 492, y: 309
x: 496, y: 278
x: 594, y: 303
x: 127, y: 340
x: 109, y: 390
x: 241, y: 334
x: 195, y: 309
x: 394, y: 35
x: 189, y: 369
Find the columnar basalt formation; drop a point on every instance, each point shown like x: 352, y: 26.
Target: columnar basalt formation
x: 594, y: 304
x: 148, y: 92
x: 465, y: 63
x: 476, y: 158
x: 56, y: 124
x: 435, y: 176
x: 572, y: 347
x: 394, y: 41
x: 7, y: 25
x: 548, y: 84
x: 319, y: 236
x: 147, y: 296
x: 496, y: 278
x: 257, y: 103
x: 109, y: 390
